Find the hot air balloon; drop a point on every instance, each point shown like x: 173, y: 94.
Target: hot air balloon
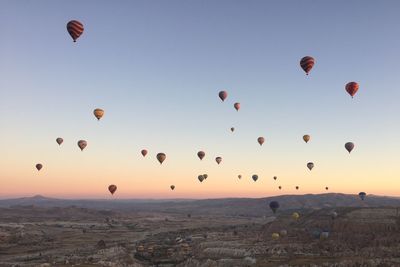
x: 310, y: 165
x: 349, y: 146
x: 205, y: 176
x: 59, y: 140
x: 144, y: 152
x: 306, y: 138
x: 201, y: 154
x: 255, y: 177
x: 260, y: 140
x: 283, y: 232
x: 161, y: 157
x: 295, y: 215
x: 274, y: 205
x: 82, y: 144
x: 326, y: 188
x: 297, y: 188
x: 223, y: 95
x: 362, y: 195
x: 112, y: 188
x: 280, y: 187
x: 172, y: 187
x: 240, y: 176
x: 218, y: 160
x: 352, y: 88
x: 201, y: 178
x: 39, y: 166
x: 275, y: 178
x: 275, y: 236
x: 307, y: 63
x: 75, y: 29
x: 236, y: 106
x: 98, y: 113
x: 232, y: 129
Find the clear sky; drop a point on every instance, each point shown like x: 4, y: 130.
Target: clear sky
x: 156, y: 68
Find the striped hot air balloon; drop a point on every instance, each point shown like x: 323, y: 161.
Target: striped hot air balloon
x: 306, y: 63
x: 75, y: 29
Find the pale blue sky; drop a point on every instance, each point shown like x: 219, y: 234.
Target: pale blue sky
x: 156, y: 68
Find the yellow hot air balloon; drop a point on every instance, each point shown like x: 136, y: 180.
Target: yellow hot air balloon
x: 306, y: 138
x: 295, y: 215
x: 275, y: 236
x: 98, y: 113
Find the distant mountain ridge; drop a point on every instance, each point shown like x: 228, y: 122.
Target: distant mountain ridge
x: 222, y: 206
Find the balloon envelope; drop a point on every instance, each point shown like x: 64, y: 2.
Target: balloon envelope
x: 161, y: 157
x: 275, y: 178
x: 236, y: 106
x: 362, y: 195
x: 295, y: 215
x: 75, y: 29
x: 306, y: 63
x: 260, y: 140
x: 310, y: 165
x: 172, y: 187
x: 82, y: 144
x: 201, y: 178
x: 39, y: 166
x: 232, y: 129
x: 59, y: 140
x: 349, y: 146
x: 98, y: 113
x: 223, y: 95
x: 306, y: 138
x: 218, y: 160
x: 112, y: 188
x: 255, y: 177
x: 275, y: 236
x: 274, y: 205
x: 240, y: 176
x: 201, y: 154
x: 144, y: 152
x: 352, y: 88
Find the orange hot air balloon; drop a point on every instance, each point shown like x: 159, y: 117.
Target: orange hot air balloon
x: 59, y: 140
x: 39, y: 166
x: 161, y: 157
x: 306, y: 138
x: 310, y: 165
x: 223, y: 95
x: 82, y: 144
x: 98, y: 113
x: 236, y: 106
x: 172, y: 187
x: 201, y: 154
x: 307, y: 63
x: 144, y: 152
x: 260, y: 140
x: 112, y: 188
x: 218, y: 160
x: 232, y: 129
x: 349, y: 146
x: 75, y: 29
x: 352, y: 88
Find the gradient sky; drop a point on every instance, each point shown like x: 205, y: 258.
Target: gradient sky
x: 156, y: 67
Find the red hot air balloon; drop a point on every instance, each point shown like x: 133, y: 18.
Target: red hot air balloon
x: 75, y: 29
x: 218, y: 160
x: 223, y: 95
x: 39, y: 166
x: 349, y: 146
x: 352, y: 88
x: 260, y: 140
x: 161, y: 157
x: 236, y: 106
x: 144, y: 152
x: 82, y: 144
x: 201, y: 154
x: 59, y: 140
x: 306, y: 63
x: 112, y: 188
